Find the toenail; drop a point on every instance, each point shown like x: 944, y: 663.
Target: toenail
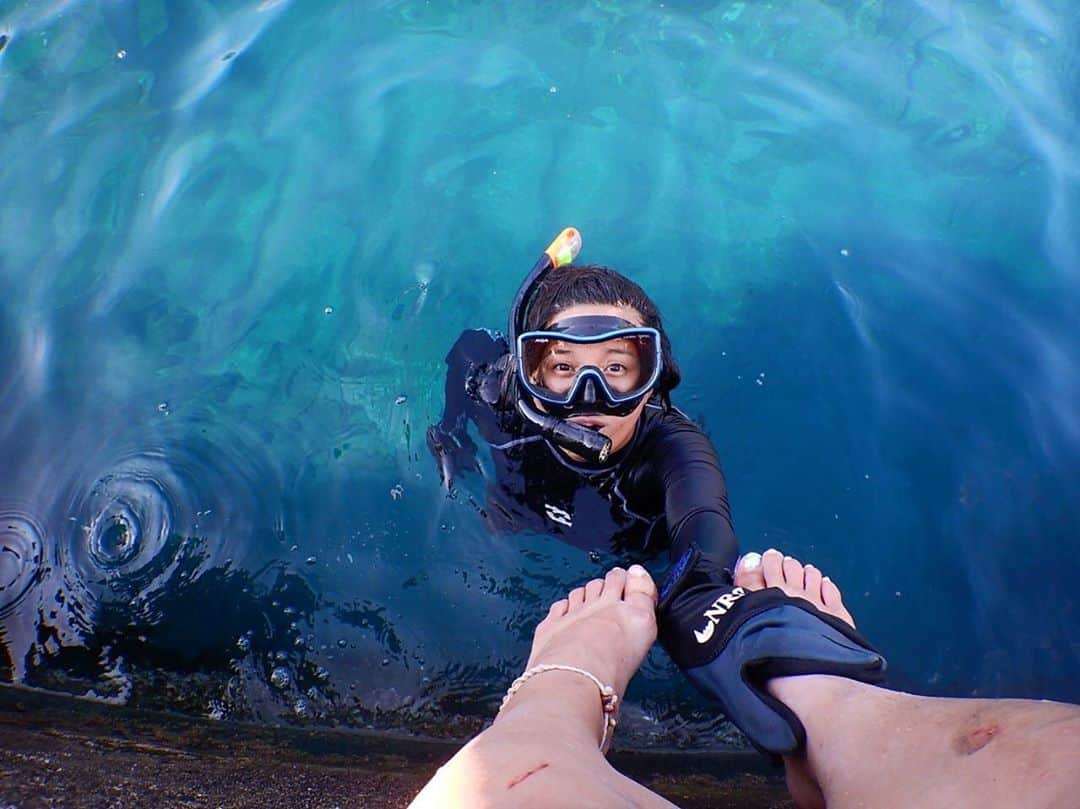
x: 772, y: 550
x: 636, y: 570
x: 750, y: 561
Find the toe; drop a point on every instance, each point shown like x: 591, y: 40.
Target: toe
x: 576, y: 598
x: 614, y: 583
x: 559, y: 608
x: 834, y: 602
x: 748, y: 572
x: 830, y: 593
x: 772, y: 567
x: 812, y: 580
x: 794, y: 584
x: 593, y: 589
x: 640, y: 589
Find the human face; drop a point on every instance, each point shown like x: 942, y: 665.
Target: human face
x: 618, y: 360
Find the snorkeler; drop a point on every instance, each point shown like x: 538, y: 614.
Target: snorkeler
x: 864, y: 745
x: 575, y: 406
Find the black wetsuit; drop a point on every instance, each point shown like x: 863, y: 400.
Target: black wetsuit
x: 661, y: 492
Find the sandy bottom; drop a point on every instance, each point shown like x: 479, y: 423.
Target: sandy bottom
x: 62, y: 752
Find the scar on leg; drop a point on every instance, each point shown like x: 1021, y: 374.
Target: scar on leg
x: 974, y: 740
x: 521, y: 778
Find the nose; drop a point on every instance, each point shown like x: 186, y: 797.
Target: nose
x: 589, y: 393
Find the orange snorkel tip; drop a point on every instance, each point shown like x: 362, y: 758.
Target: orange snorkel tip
x: 562, y: 250
x: 565, y: 247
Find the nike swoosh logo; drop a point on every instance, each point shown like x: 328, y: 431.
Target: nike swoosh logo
x: 703, y: 635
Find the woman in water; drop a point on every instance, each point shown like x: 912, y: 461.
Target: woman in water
x: 575, y: 406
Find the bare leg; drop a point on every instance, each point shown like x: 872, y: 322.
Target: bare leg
x: 871, y: 747
x: 543, y: 749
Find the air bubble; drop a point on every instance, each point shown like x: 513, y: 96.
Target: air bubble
x: 279, y: 677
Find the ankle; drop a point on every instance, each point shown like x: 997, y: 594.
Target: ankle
x: 812, y: 696
x: 835, y: 712
x: 564, y: 702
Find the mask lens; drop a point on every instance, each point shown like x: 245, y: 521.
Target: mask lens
x: 558, y: 368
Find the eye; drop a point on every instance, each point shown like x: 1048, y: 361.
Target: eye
x: 616, y: 368
x: 562, y: 368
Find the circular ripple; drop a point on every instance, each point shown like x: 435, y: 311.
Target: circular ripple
x: 124, y: 532
x: 20, y: 557
x: 130, y: 518
x: 155, y: 518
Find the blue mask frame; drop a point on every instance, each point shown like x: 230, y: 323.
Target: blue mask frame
x: 590, y: 393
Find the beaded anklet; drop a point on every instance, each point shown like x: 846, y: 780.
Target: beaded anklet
x: 609, y: 700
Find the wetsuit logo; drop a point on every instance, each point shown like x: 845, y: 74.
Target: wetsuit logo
x: 714, y: 613
x: 556, y: 514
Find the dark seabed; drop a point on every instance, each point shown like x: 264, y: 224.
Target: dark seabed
x: 56, y: 751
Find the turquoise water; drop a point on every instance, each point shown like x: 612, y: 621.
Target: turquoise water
x: 237, y: 240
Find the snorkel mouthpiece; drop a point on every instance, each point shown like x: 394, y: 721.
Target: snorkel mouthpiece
x: 592, y: 445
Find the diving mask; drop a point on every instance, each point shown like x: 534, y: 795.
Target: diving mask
x: 592, y: 364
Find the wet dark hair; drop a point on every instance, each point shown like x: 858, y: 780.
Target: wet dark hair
x: 573, y: 284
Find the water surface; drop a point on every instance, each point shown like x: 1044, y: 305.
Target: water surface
x: 237, y: 239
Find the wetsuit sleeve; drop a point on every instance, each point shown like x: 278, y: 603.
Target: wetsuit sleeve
x: 695, y: 494
x: 448, y: 439
x: 475, y: 347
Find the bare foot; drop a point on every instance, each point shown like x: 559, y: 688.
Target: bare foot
x: 773, y: 569
x: 544, y: 748
x: 605, y: 627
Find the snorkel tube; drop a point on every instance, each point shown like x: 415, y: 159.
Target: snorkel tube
x: 592, y: 445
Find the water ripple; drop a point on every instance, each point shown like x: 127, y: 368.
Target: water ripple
x: 122, y: 528
x: 21, y: 543
x: 156, y: 517
x: 130, y: 518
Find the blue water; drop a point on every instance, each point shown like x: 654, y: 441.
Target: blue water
x: 238, y: 238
